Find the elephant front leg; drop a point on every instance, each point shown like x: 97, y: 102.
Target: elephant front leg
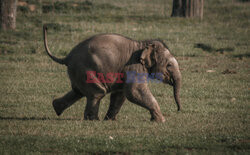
x: 116, y: 101
x: 141, y: 95
x: 66, y: 101
x: 92, y: 108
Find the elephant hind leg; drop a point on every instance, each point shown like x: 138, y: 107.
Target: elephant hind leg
x: 92, y: 107
x: 116, y: 101
x: 66, y: 101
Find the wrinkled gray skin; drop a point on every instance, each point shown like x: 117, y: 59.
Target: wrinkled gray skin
x: 112, y: 53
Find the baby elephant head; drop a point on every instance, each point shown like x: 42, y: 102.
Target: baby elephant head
x: 157, y: 59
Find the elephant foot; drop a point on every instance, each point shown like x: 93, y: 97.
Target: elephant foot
x: 91, y: 117
x: 159, y: 120
x: 157, y: 117
x: 58, y: 107
x: 113, y: 118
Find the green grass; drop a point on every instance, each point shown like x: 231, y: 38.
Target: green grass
x: 215, y: 116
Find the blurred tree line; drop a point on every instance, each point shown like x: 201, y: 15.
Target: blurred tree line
x: 181, y: 8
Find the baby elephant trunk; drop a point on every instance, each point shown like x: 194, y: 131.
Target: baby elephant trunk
x: 177, y: 87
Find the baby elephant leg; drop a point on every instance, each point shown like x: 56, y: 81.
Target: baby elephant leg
x: 66, y: 101
x: 92, y: 108
x: 141, y: 95
x: 116, y: 101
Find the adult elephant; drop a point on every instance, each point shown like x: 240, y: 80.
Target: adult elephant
x: 106, y: 63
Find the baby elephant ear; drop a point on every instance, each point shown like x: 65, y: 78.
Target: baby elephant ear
x: 147, y: 56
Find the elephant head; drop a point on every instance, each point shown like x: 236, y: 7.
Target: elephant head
x: 157, y: 59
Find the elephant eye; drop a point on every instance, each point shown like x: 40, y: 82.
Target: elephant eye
x: 169, y: 64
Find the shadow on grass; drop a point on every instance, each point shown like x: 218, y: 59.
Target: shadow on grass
x: 210, y: 49
x: 244, y: 0
x: 37, y: 119
x: 246, y: 55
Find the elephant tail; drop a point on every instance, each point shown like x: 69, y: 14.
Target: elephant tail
x: 58, y: 60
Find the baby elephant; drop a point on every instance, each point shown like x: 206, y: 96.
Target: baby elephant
x: 112, y: 63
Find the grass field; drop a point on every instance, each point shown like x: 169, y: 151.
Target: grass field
x: 214, y: 58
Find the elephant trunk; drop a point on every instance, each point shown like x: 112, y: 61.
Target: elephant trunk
x: 177, y: 87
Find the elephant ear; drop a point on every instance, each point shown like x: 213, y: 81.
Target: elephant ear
x: 147, y: 56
